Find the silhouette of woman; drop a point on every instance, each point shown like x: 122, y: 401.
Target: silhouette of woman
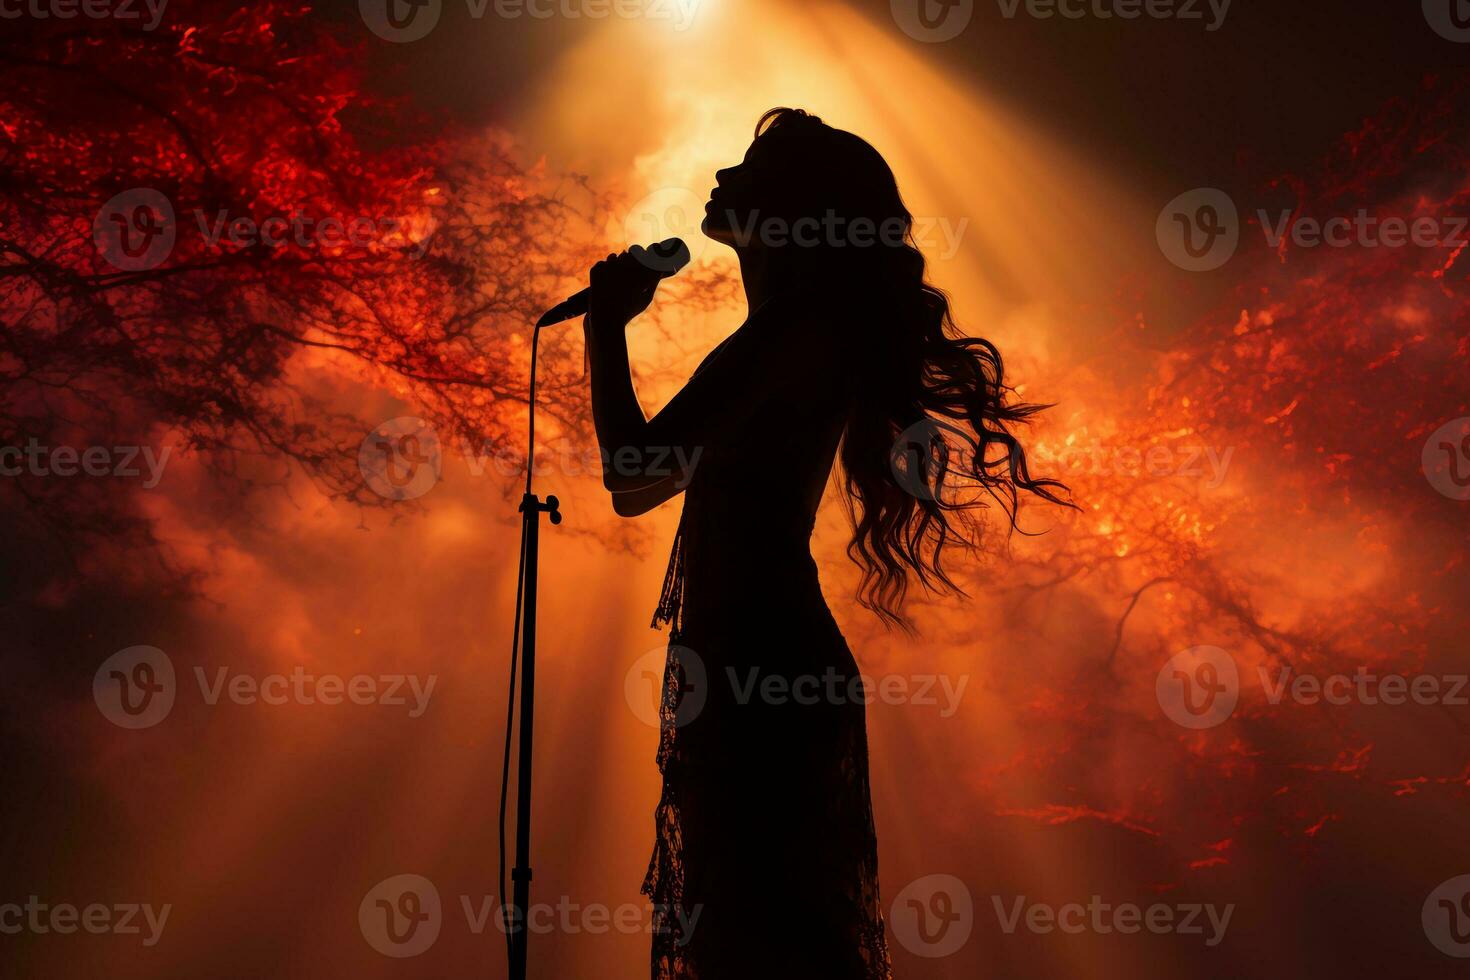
x: 766, y: 860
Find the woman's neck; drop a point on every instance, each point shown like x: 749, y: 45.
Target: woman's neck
x: 763, y: 276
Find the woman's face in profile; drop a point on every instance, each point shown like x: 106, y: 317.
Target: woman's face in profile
x: 734, y: 210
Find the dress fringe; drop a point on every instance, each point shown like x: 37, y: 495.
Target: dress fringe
x: 671, y: 599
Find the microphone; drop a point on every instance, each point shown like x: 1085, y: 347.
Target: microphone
x: 664, y: 259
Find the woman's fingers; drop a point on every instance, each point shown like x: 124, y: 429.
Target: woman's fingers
x: 626, y: 265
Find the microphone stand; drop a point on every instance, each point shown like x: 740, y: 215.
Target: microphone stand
x: 531, y: 509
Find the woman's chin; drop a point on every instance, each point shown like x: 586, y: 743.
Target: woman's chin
x: 715, y: 230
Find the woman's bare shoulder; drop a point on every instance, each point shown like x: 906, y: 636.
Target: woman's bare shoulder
x: 792, y: 327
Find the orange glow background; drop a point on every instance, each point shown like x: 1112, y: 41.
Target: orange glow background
x: 1057, y: 778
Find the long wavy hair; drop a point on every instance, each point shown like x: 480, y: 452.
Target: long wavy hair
x: 930, y: 438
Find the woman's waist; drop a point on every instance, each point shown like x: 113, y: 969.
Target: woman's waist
x: 747, y: 563
x: 755, y: 590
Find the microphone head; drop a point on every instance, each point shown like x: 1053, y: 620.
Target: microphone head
x: 667, y: 257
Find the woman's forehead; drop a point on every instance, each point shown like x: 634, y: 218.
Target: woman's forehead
x: 762, y: 149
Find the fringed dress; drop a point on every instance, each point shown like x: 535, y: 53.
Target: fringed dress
x: 766, y: 865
